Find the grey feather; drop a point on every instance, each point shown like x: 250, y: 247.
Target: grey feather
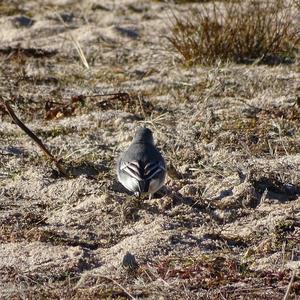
x: 141, y: 168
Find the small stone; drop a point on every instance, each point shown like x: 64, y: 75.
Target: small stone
x: 129, y: 262
x: 67, y: 17
x: 128, y: 32
x: 23, y: 21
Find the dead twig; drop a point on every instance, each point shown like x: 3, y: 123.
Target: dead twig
x: 34, y: 138
x: 130, y: 296
x: 113, y: 96
x: 75, y: 43
x: 55, y: 109
x: 287, y: 293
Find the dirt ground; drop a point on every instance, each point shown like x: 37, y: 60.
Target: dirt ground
x: 227, y: 223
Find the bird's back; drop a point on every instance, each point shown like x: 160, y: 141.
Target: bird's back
x: 143, y: 163
x: 142, y: 152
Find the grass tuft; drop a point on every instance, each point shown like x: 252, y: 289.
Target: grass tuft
x: 239, y: 32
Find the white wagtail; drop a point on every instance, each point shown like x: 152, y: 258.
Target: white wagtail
x: 141, y: 169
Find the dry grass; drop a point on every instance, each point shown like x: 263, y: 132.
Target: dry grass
x: 240, y: 32
x: 187, y: 1
x: 227, y: 223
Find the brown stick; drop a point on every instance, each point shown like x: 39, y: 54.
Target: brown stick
x: 34, y: 138
x: 287, y: 293
x: 119, y: 94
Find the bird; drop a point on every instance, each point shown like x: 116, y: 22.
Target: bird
x: 141, y: 169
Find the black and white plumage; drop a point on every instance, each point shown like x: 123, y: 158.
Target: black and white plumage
x: 141, y: 169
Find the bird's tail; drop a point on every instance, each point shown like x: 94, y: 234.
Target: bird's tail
x: 143, y: 186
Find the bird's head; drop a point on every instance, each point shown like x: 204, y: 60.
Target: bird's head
x: 143, y: 135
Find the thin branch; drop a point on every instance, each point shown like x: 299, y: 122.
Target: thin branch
x: 288, y: 290
x: 75, y: 43
x: 116, y: 283
x: 34, y: 138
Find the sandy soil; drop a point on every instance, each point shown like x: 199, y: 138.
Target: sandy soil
x: 227, y: 223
